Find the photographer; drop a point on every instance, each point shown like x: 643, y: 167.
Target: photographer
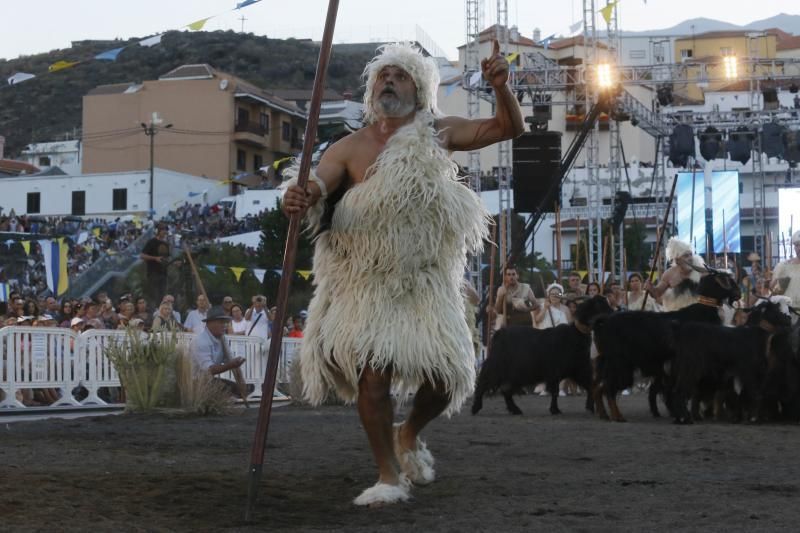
x: 257, y: 317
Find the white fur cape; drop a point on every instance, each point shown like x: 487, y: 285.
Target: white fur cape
x: 388, y: 275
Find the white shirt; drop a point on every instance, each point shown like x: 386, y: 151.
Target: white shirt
x: 241, y: 327
x: 259, y: 326
x: 194, y: 321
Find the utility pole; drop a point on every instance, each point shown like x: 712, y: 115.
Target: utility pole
x: 151, y: 130
x: 242, y: 19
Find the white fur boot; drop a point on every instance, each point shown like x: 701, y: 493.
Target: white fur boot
x: 383, y: 493
x: 416, y: 464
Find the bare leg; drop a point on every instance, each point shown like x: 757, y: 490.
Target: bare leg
x: 429, y: 402
x: 375, y: 410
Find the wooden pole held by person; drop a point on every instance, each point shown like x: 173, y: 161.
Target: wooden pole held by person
x: 490, y: 311
x: 241, y: 386
x: 662, y: 230
x: 289, y: 256
x: 558, y: 242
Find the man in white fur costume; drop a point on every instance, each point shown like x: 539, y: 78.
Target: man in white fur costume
x: 677, y: 287
x: 388, y: 312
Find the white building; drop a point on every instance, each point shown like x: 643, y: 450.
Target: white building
x: 65, y: 155
x: 106, y: 195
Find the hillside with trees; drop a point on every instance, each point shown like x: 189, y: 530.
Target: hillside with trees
x: 49, y: 107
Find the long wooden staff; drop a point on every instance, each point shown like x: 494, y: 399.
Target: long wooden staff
x: 661, y: 233
x: 546, y: 301
x: 490, y: 312
x: 624, y: 276
x: 558, y: 241
x: 241, y: 386
x: 603, y: 266
x: 289, y: 256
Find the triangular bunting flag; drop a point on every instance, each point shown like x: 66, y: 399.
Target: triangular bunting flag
x: 237, y: 271
x: 19, y: 77
x: 151, y: 41
x: 246, y: 3
x: 304, y: 273
x: 61, y: 65
x: 96, y: 232
x: 259, y: 273
x: 83, y: 237
x: 278, y: 271
x: 607, y: 12
x: 27, y: 246
x: 512, y: 56
x: 212, y: 268
x: 109, y: 55
x: 575, y: 27
x: 198, y: 24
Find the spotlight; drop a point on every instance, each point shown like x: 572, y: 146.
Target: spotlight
x: 604, y: 78
x: 740, y: 143
x: 772, y: 135
x: 681, y: 145
x: 731, y: 67
x: 710, y: 143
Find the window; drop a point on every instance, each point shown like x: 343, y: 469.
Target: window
x: 242, y: 116
x: 79, y: 203
x: 44, y: 161
x: 120, y: 200
x: 34, y: 203
x: 263, y: 120
x: 637, y: 54
x: 687, y: 53
x: 286, y: 131
x: 241, y: 160
x: 258, y: 162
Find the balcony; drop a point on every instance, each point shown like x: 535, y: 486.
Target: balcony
x: 251, y: 133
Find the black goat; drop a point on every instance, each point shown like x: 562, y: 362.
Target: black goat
x: 714, y: 355
x: 524, y: 356
x: 644, y: 340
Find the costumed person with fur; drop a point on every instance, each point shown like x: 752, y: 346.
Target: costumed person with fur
x: 393, y: 225
x: 786, y: 276
x: 677, y: 287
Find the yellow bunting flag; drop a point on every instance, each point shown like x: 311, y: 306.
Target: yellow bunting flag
x: 583, y: 273
x: 607, y: 11
x: 61, y: 65
x: 511, y: 57
x: 304, y: 273
x: 198, y: 24
x: 27, y: 246
x: 237, y: 271
x: 96, y: 232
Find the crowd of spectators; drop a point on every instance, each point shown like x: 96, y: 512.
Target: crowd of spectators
x: 89, y: 240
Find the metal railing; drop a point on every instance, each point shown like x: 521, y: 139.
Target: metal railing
x: 58, y: 358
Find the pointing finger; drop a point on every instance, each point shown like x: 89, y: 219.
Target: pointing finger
x: 495, y: 47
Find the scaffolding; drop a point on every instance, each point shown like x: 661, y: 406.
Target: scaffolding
x: 504, y: 169
x: 474, y: 21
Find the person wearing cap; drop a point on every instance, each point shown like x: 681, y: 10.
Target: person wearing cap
x: 77, y: 324
x: 553, y: 312
x: 786, y: 277
x: 209, y: 349
x: 258, y: 322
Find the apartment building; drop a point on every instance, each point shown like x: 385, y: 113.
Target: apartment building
x: 207, y: 123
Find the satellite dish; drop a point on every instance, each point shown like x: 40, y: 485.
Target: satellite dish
x: 223, y: 84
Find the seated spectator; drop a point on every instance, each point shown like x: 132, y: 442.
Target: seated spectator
x: 239, y: 326
x: 125, y: 314
x: 227, y: 304
x: 92, y: 318
x: 165, y: 319
x: 66, y: 314
x: 195, y: 317
x: 209, y: 349
x: 141, y: 312
x: 169, y: 299
x: 297, y: 329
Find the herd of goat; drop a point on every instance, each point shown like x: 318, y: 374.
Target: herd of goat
x: 698, y: 366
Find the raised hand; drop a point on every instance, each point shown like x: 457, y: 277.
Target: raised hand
x: 495, y: 67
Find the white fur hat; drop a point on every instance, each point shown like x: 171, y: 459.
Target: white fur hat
x: 423, y: 70
x: 555, y: 286
x: 796, y: 237
x: 676, y: 248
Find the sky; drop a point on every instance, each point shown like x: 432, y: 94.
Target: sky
x: 35, y: 26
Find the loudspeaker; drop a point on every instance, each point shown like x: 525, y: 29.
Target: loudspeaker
x: 772, y: 139
x: 536, y: 171
x: 740, y: 143
x: 681, y: 145
x: 711, y: 144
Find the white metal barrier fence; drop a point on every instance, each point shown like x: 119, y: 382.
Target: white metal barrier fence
x: 58, y: 358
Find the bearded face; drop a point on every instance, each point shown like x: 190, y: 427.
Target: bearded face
x: 396, y: 93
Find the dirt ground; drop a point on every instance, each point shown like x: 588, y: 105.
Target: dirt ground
x: 495, y: 472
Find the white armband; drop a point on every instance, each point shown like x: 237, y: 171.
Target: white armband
x: 323, y: 189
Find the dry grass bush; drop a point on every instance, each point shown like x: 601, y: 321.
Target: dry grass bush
x: 198, y: 392
x: 156, y: 373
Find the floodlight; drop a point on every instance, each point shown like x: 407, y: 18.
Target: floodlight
x: 731, y: 67
x: 604, y: 79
